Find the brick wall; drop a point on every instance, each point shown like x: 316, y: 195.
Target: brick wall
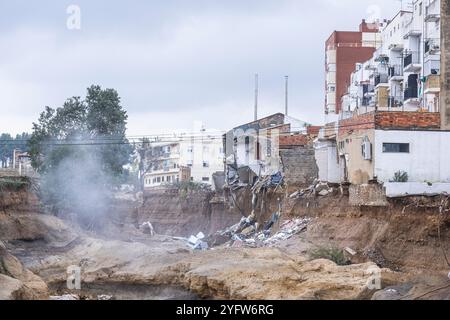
x: 299, y: 166
x: 361, y: 122
x: 408, y: 120
x: 313, y: 130
x: 391, y: 120
x: 287, y: 141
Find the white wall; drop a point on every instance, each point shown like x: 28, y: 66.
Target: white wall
x: 428, y: 159
x: 326, y: 158
x: 198, y: 151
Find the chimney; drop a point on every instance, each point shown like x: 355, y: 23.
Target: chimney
x: 445, y: 65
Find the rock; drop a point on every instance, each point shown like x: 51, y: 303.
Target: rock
x: 10, y: 288
x: 18, y: 281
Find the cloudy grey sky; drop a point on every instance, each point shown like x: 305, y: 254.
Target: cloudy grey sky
x: 174, y: 61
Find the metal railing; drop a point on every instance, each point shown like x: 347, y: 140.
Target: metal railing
x: 410, y: 57
x: 380, y: 78
x: 411, y: 93
x: 395, y: 70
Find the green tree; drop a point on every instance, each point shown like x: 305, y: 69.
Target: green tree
x: 8, y: 144
x: 80, y: 149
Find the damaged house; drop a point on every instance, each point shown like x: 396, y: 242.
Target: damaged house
x: 270, y: 147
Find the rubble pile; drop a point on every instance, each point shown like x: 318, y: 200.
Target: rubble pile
x: 317, y: 189
x: 247, y: 233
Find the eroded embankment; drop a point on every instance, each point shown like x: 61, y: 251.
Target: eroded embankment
x: 177, y: 213
x: 402, y: 236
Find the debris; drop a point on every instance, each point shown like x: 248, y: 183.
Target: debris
x: 147, y: 228
x: 197, y: 243
x: 350, y: 251
x: 250, y: 237
x: 323, y: 193
x: 104, y: 297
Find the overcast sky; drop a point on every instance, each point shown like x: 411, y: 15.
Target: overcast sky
x: 173, y: 62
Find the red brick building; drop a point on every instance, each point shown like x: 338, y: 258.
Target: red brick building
x: 343, y: 50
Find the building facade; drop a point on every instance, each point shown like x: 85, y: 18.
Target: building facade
x: 195, y: 158
x: 404, y: 72
x: 344, y: 49
x: 253, y: 149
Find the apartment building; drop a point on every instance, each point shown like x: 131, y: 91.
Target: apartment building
x: 391, y: 119
x: 194, y: 158
x: 344, y: 49
x: 403, y: 73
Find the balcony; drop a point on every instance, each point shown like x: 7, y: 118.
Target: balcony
x: 395, y: 102
x: 431, y: 66
x: 395, y: 72
x: 380, y: 79
x: 396, y: 47
x: 432, y: 13
x: 411, y: 62
x: 412, y: 33
x: 432, y: 84
x: 432, y: 47
x: 410, y: 93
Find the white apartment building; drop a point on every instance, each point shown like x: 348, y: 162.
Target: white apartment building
x: 194, y: 158
x: 403, y: 73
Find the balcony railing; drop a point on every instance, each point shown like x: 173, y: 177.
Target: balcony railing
x: 380, y: 78
x: 395, y: 70
x: 431, y: 67
x: 410, y: 59
x: 411, y: 93
x: 432, y: 13
x: 395, y: 101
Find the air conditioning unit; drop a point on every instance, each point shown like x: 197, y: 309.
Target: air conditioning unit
x: 366, y: 149
x: 435, y: 47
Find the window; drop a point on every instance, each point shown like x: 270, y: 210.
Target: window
x: 205, y: 164
x: 158, y: 179
x: 190, y: 149
x: 396, y: 147
x: 168, y: 178
x: 205, y: 149
x: 162, y: 179
x: 205, y: 179
x: 190, y: 163
x: 420, y: 9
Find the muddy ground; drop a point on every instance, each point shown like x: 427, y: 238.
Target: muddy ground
x: 123, y: 262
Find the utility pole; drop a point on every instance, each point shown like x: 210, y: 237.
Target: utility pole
x: 256, y: 96
x: 286, y: 102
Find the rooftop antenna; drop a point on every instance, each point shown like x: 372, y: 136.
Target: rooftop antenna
x: 256, y: 96
x: 286, y: 101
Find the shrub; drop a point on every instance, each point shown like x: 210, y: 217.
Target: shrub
x: 14, y: 183
x: 400, y: 176
x: 334, y: 254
